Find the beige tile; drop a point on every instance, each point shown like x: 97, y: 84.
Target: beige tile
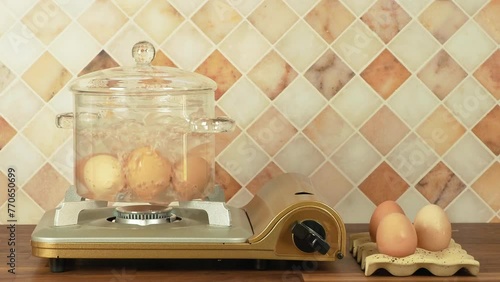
x: 299, y: 156
x: 99, y: 62
x: 301, y: 7
x: 329, y: 18
x: 6, y: 77
x: 468, y: 207
x: 331, y: 184
x: 30, y: 213
x: 273, y: 18
x: 46, y: 20
x: 120, y: 46
x: 442, y: 19
x: 383, y: 184
x: 19, y: 116
x: 3, y: 182
x: 487, y: 186
x: 440, y: 186
x: 218, y: 68
x: 224, y: 139
x: 216, y: 19
x: 187, y: 8
x: 488, y: 19
x: 226, y: 181
x: 386, y: 18
x: 158, y: 19
x: 471, y: 7
x: 6, y: 19
x: 47, y: 187
x: 488, y: 74
x: 7, y: 132
x: 102, y: 20
x: 161, y: 59
x: 130, y: 7
x: 267, y: 173
x: 488, y: 130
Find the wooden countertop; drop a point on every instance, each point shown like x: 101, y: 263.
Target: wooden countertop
x: 480, y: 240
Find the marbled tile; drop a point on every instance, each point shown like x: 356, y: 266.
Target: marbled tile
x: 47, y: 187
x: 329, y: 74
x: 487, y: 186
x: 441, y: 74
x: 414, y: 7
x: 9, y: 101
x: 355, y: 201
x: 329, y: 18
x: 218, y: 68
x: 187, y: 8
x: 412, y: 201
x: 301, y: 7
x: 161, y: 59
x: 328, y: 130
x: 102, y: 20
x: 299, y: 156
x: 385, y: 74
x: 386, y: 18
x: 383, y: 184
x: 267, y: 173
x: 6, y: 77
x: 495, y: 219
x: 46, y: 20
x: 442, y: 19
x: 244, y: 7
x: 6, y: 19
x: 489, y: 75
x: 330, y: 183
x: 54, y: 74
x: 358, y: 6
x: 488, y: 130
x: 222, y: 140
x: 488, y: 19
x: 440, y: 185
x: 63, y: 160
x: 226, y: 181
x: 384, y: 130
x: 31, y: 214
x: 272, y: 74
x: 99, y: 62
x: 216, y: 19
x: 159, y: 19
x: 271, y: 131
x: 131, y: 7
x: 120, y: 46
x: 471, y: 7
x: 440, y: 130
x: 468, y: 208
x: 7, y: 132
x: 273, y: 18
x: 4, y: 183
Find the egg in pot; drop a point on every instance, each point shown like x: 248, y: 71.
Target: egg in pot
x: 190, y: 178
x: 102, y: 175
x: 382, y: 210
x: 396, y: 236
x: 433, y: 228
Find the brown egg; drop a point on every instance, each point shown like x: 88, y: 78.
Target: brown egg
x: 396, y: 236
x: 148, y: 174
x: 102, y: 175
x: 433, y: 228
x: 379, y: 213
x: 191, y: 176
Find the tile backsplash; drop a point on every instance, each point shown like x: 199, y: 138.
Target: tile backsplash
x: 373, y: 100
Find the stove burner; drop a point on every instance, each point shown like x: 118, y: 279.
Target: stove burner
x: 144, y: 214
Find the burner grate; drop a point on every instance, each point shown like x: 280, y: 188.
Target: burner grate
x: 144, y: 214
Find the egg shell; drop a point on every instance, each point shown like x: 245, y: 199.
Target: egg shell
x: 102, y: 175
x: 148, y: 174
x: 396, y: 236
x: 382, y: 210
x: 191, y: 176
x: 433, y: 228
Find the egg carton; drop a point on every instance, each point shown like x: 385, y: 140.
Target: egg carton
x: 443, y: 263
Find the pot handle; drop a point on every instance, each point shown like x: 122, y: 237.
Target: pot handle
x: 65, y: 120
x: 211, y: 125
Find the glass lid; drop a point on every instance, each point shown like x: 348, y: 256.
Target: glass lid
x: 142, y: 79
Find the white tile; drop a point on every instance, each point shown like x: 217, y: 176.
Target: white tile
x: 356, y: 101
x: 356, y: 158
x: 414, y: 45
x: 245, y: 46
x: 63, y: 160
x: 74, y: 48
x: 358, y: 6
x: 358, y: 45
x: 120, y: 47
x: 6, y: 19
x: 245, y: 7
x: 63, y: 102
x: 187, y: 47
x: 411, y: 202
x: 471, y: 7
x: 469, y: 102
x: 355, y: 208
x: 470, y: 46
x: 414, y: 7
x: 243, y: 159
x: 413, y: 101
x: 19, y: 8
x: 301, y: 46
x: 23, y: 156
x: 187, y: 8
x: 9, y: 101
x: 241, y: 198
x: 27, y: 211
x: 412, y: 158
x: 19, y: 48
x: 300, y: 102
x: 302, y: 6
x: 299, y: 156
x: 74, y: 8
x: 243, y: 92
x: 468, y: 158
x: 468, y: 207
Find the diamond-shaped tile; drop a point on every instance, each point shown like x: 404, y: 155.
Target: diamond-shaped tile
x: 329, y: 18
x: 273, y: 18
x: 301, y: 6
x: 300, y: 46
x: 46, y: 20
x: 4, y: 183
x: 9, y: 104
x: 226, y: 181
x: 272, y: 131
x: 187, y: 8
x: 356, y: 158
x: 488, y: 19
x: 413, y: 46
x: 7, y: 132
x: 386, y: 18
x: 64, y: 101
x: 245, y: 46
x: 384, y: 130
x: 331, y: 184
x: 224, y: 139
x: 328, y: 130
x: 161, y: 59
x: 272, y: 74
x: 63, y: 160
x: 300, y: 102
x: 47, y: 187
x: 441, y: 74
x: 385, y: 74
x: 244, y: 7
x: 357, y: 201
x: 358, y: 6
x: 266, y: 174
x: 299, y: 156
x: 19, y: 8
x: 159, y: 19
x: 488, y: 130
x: 99, y: 62
x: 440, y: 186
x: 120, y: 46
x: 75, y: 8
x: 55, y: 76
x: 471, y: 7
x: 442, y: 19
x: 218, y: 68
x: 187, y: 47
x: 6, y: 19
x: 441, y: 130
x: 130, y: 7
x: 468, y: 207
x: 31, y: 212
x: 412, y: 201
x: 486, y: 186
x: 6, y: 77
x: 329, y: 74
x: 216, y: 19
x: 489, y: 76
x: 102, y: 20
x: 383, y: 184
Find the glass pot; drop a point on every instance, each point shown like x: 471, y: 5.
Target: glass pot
x: 144, y: 133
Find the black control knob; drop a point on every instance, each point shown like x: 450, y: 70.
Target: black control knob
x: 309, y: 236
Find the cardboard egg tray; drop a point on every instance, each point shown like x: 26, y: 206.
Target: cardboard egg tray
x: 444, y: 263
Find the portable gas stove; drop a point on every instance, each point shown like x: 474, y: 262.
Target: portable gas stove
x: 284, y: 221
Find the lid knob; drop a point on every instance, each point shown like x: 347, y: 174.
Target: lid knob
x: 143, y: 53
